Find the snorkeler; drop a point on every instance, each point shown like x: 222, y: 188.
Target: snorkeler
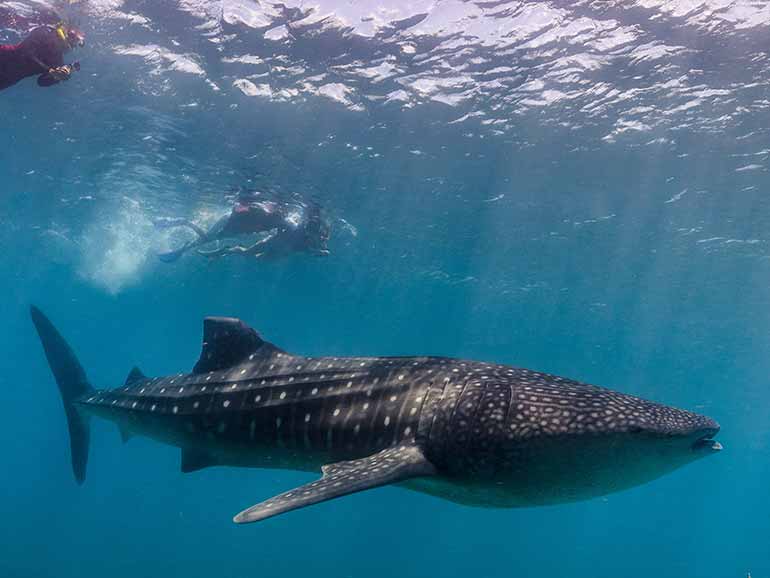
x: 307, y: 234
x: 288, y: 229
x: 41, y: 53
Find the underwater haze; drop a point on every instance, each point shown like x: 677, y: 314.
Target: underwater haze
x: 578, y: 187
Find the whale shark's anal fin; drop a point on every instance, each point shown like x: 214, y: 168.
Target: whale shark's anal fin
x: 386, y: 467
x: 227, y: 342
x: 125, y: 434
x: 194, y: 460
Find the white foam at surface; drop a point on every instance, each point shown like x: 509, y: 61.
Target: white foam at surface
x: 115, y: 249
x: 120, y: 249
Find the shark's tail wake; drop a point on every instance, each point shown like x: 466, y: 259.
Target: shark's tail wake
x: 73, y: 384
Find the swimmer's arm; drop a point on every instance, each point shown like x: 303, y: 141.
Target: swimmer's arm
x: 52, y: 75
x: 46, y: 79
x: 37, y: 47
x: 57, y: 74
x: 254, y: 249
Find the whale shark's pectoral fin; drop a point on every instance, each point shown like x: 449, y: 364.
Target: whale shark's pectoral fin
x: 386, y: 467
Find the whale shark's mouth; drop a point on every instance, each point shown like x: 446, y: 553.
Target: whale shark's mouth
x: 706, y: 442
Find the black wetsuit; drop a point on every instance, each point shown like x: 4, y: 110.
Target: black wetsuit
x: 290, y: 228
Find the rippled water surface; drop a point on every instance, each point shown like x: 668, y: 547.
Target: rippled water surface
x: 578, y: 187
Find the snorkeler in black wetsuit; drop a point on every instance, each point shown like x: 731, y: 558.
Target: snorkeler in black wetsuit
x: 42, y: 54
x: 289, y: 228
x: 306, y: 234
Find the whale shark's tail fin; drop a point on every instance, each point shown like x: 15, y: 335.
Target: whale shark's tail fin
x: 73, y: 384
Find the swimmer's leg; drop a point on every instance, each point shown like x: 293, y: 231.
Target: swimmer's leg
x: 172, y: 256
x: 238, y: 249
x: 233, y: 250
x: 169, y: 222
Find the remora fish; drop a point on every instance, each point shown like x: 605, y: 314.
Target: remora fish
x: 475, y: 433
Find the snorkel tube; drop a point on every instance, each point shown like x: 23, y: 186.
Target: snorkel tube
x: 70, y: 35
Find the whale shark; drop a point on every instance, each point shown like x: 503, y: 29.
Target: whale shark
x: 480, y: 434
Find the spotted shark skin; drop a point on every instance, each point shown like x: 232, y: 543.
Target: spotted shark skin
x: 476, y: 433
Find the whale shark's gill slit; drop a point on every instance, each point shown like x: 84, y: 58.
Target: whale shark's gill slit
x: 493, y: 406
x: 463, y: 425
x: 441, y: 416
x: 428, y: 411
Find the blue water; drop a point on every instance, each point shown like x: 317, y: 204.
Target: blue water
x: 573, y: 188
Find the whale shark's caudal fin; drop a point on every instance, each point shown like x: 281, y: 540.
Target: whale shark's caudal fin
x: 73, y: 384
x: 389, y: 466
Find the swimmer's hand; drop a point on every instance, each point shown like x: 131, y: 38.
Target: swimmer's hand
x: 60, y: 73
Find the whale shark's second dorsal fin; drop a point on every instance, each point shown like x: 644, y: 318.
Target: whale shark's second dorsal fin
x: 134, y: 375
x: 389, y: 466
x: 227, y: 342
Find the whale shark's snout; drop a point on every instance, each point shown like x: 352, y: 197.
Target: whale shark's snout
x: 695, y: 431
x: 704, y: 437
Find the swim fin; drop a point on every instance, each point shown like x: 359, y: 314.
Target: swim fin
x: 172, y: 256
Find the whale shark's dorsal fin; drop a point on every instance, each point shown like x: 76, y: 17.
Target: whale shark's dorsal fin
x: 389, y: 466
x: 134, y: 375
x: 227, y: 342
